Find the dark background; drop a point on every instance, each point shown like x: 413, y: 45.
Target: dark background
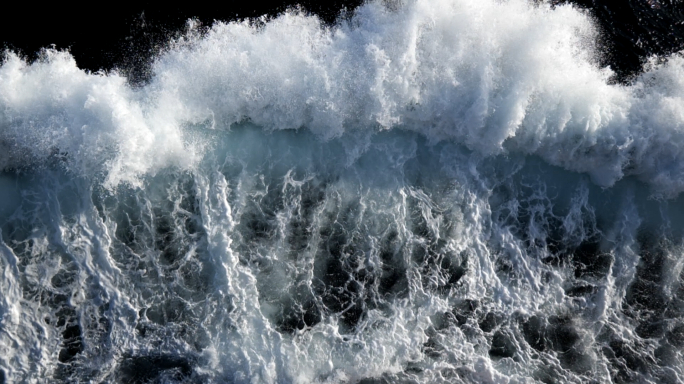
x: 125, y: 36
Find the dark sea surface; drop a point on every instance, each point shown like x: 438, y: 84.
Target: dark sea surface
x: 419, y: 191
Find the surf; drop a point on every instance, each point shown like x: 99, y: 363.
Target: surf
x: 427, y: 191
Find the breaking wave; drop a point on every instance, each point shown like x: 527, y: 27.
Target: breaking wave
x: 428, y: 191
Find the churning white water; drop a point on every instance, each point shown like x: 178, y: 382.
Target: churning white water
x: 431, y: 191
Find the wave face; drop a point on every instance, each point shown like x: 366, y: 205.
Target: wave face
x: 431, y: 191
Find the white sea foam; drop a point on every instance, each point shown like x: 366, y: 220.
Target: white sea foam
x: 432, y: 191
x: 52, y: 109
x: 495, y: 76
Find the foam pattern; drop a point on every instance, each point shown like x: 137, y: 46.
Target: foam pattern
x: 430, y: 191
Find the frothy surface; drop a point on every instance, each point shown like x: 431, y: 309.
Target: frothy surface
x: 440, y: 191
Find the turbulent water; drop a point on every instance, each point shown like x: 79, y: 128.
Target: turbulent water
x: 429, y: 191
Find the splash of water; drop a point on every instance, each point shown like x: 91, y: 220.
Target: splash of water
x: 437, y: 191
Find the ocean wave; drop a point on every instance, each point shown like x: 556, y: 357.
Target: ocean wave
x: 428, y: 191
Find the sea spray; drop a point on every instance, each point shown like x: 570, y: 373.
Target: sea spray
x: 438, y: 191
